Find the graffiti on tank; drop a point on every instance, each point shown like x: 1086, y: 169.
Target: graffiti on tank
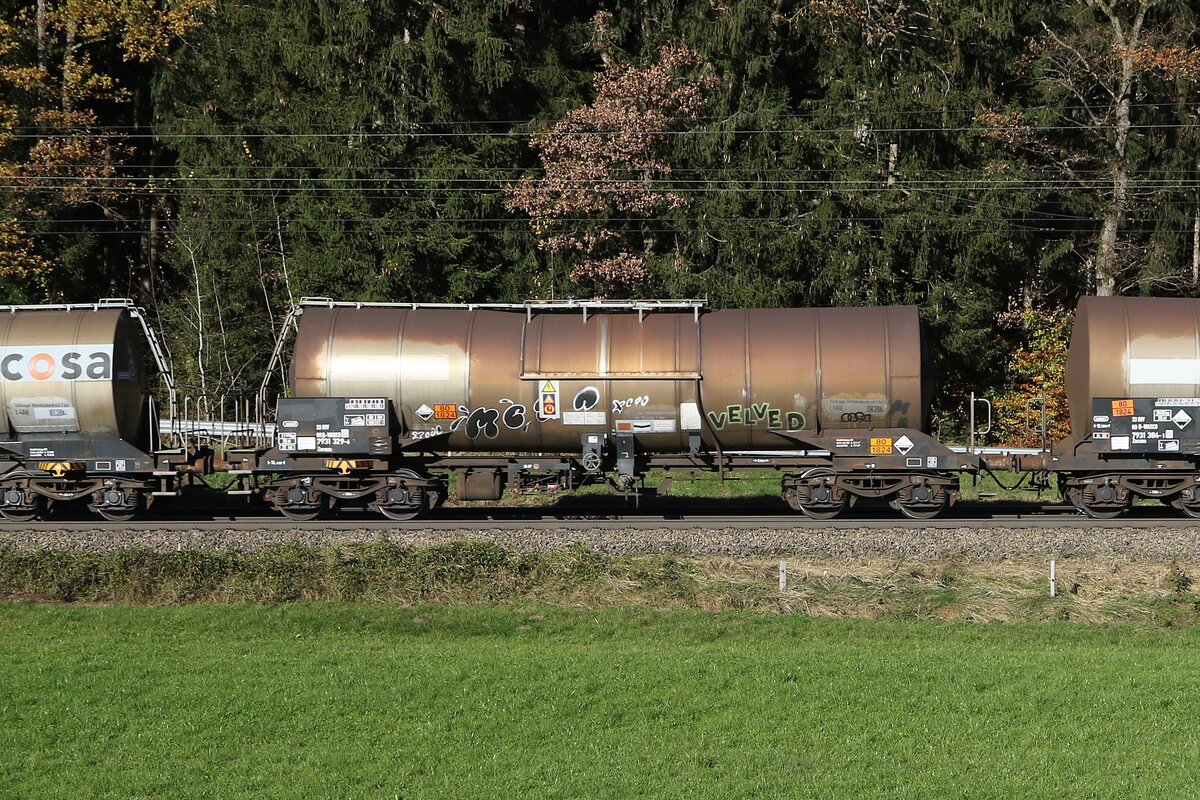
x: 856, y: 416
x: 775, y: 418
x: 621, y: 405
x: 514, y: 416
x: 415, y: 435
x: 485, y: 421
x: 586, y: 399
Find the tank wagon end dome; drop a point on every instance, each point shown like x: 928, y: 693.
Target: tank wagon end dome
x: 76, y: 368
x: 1132, y: 347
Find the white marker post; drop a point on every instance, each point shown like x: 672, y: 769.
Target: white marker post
x: 1053, y: 588
x: 782, y: 575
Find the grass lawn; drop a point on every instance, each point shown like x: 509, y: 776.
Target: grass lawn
x: 314, y: 700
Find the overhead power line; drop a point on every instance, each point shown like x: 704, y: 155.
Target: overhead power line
x: 837, y: 108
x: 422, y: 134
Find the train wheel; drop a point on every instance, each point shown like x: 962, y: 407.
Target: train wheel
x: 924, y: 510
x: 299, y: 513
x: 13, y: 514
x: 819, y: 501
x: 298, y: 507
x: 1191, y: 509
x: 823, y: 512
x: 119, y: 513
x: 400, y: 513
x: 921, y: 501
x: 20, y: 506
x: 397, y: 503
x: 1095, y: 506
x: 118, y: 505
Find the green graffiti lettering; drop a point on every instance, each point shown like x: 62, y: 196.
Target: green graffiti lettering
x: 756, y: 414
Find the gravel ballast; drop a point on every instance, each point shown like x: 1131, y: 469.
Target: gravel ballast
x: 1147, y: 543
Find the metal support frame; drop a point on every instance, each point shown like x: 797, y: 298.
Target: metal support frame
x: 288, y: 328
x: 986, y: 429
x: 695, y: 305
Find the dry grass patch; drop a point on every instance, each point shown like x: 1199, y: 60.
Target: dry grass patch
x: 480, y: 573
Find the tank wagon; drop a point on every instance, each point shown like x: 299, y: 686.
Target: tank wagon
x: 388, y: 400
x: 1133, y: 388
x: 79, y: 420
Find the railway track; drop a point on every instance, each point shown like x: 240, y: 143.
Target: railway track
x: 992, y: 531
x: 467, y: 519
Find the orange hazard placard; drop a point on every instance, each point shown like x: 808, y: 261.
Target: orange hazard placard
x: 445, y: 411
x: 881, y: 447
x: 1122, y: 408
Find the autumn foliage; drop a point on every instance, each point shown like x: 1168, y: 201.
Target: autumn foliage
x: 1039, y: 338
x: 65, y: 155
x: 602, y: 165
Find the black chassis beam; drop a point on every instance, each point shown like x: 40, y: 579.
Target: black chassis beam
x: 70, y: 487
x: 1154, y: 484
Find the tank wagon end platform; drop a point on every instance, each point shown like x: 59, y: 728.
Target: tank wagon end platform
x: 80, y: 424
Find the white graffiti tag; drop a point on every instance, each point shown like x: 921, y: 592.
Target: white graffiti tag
x: 621, y: 405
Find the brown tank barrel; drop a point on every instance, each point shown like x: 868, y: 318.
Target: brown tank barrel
x: 535, y: 381
x: 840, y: 368
x: 77, y: 369
x: 1132, y: 347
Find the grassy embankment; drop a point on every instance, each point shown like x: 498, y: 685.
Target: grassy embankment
x: 355, y: 701
x: 478, y: 573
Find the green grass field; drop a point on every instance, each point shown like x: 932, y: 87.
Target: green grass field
x: 367, y: 701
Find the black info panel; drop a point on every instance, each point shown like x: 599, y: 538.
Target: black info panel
x: 1146, y: 424
x: 338, y: 425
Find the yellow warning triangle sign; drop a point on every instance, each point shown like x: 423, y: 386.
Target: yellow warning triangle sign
x: 548, y: 388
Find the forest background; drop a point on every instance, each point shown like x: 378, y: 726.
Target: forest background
x: 987, y: 160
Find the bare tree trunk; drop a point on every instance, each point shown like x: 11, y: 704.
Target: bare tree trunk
x: 41, y: 35
x: 152, y: 243
x: 287, y: 281
x: 199, y: 308
x: 1105, y: 266
x: 68, y: 67
x: 1107, y: 261
x: 1125, y: 42
x: 1196, y: 246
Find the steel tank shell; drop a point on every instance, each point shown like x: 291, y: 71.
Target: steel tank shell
x: 517, y: 381
x: 77, y: 369
x: 1131, y: 347
x: 841, y: 368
